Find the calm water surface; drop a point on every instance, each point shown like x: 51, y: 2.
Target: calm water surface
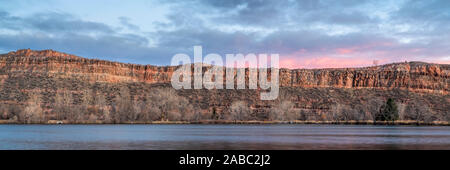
x: 223, y: 137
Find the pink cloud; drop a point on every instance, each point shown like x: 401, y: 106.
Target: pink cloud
x: 361, y: 55
x: 344, y: 51
x: 445, y: 60
x: 325, y: 62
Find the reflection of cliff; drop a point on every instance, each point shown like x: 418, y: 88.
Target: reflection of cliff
x: 312, y: 90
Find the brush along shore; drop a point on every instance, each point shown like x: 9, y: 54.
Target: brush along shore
x: 397, y: 122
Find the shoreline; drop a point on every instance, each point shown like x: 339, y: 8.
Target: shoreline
x: 227, y: 122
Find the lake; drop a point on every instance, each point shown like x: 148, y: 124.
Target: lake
x: 223, y: 137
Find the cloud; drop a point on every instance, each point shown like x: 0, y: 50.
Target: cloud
x: 118, y: 48
x: 52, y: 22
x: 64, y: 32
x: 126, y: 22
x: 280, y: 13
x: 305, y: 33
x: 325, y: 62
x: 424, y: 11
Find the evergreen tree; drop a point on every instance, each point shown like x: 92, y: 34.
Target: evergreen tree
x: 388, y: 112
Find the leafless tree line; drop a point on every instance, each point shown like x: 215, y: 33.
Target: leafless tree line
x: 161, y: 104
x: 164, y: 104
x: 285, y: 110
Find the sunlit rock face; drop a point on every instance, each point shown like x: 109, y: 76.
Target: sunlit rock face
x: 57, y: 63
x: 313, y: 90
x: 412, y: 76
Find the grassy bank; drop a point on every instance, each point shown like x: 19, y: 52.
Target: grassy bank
x: 398, y: 122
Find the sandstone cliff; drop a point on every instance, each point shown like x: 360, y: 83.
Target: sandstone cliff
x: 412, y: 75
x: 311, y: 90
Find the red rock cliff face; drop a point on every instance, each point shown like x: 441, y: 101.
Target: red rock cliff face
x: 58, y: 63
x: 313, y: 91
x: 414, y: 76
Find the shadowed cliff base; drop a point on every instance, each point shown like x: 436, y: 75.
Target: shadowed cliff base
x: 43, y: 86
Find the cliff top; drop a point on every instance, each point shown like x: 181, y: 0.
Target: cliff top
x: 41, y: 53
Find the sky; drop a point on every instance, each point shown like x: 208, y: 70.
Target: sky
x: 305, y: 33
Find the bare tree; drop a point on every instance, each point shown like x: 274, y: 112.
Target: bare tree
x: 63, y: 106
x: 101, y: 108
x: 418, y: 112
x: 169, y: 105
x: 83, y: 112
x: 149, y: 111
x: 33, y: 112
x: 15, y: 111
x: 402, y: 113
x: 186, y: 109
x: 239, y: 111
x: 373, y: 106
x: 283, y: 111
x: 122, y: 108
x: 4, y: 111
x: 342, y: 112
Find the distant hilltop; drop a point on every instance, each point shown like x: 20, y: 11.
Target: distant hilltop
x: 40, y: 53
